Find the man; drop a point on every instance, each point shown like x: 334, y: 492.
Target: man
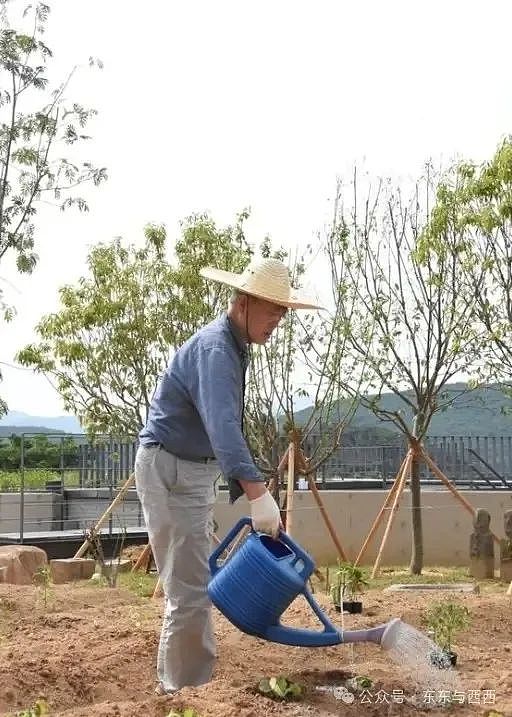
x: 193, y: 432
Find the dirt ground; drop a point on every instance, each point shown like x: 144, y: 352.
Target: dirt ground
x: 91, y: 652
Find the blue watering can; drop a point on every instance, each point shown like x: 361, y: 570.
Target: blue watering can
x: 258, y: 582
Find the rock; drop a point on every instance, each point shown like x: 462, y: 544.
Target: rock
x: 66, y: 570
x: 19, y: 563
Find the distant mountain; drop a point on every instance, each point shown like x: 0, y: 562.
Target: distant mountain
x: 481, y: 412
x: 18, y: 422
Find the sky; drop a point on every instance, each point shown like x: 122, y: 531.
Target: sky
x: 217, y: 106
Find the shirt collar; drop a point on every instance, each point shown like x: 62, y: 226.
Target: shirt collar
x: 237, y: 335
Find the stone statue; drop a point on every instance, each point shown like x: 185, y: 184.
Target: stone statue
x: 481, y: 546
x: 506, y: 549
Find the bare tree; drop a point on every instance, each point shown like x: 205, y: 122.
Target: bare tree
x: 411, y: 320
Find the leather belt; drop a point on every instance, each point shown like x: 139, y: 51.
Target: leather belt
x: 192, y: 459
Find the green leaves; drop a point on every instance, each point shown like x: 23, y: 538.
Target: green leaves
x: 446, y: 619
x: 187, y: 712
x: 32, y: 166
x: 280, y: 688
x: 115, y: 329
x: 39, y: 709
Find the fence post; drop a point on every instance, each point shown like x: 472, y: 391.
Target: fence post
x: 22, y: 486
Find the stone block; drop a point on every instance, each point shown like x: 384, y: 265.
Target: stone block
x: 432, y: 587
x: 481, y: 568
x: 66, y: 570
x: 20, y: 563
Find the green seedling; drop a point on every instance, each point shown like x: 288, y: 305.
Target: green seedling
x: 187, y: 712
x: 359, y: 683
x: 280, y: 688
x: 39, y: 709
x: 43, y: 579
x: 349, y: 581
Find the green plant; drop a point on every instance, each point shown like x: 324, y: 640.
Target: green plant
x: 350, y: 580
x: 359, y: 683
x: 280, y: 688
x: 43, y: 579
x: 445, y: 620
x: 187, y: 712
x: 39, y: 709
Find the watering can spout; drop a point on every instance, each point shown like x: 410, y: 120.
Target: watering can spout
x: 379, y: 634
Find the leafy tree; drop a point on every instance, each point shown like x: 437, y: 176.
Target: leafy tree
x: 106, y: 346
x: 37, y: 128
x: 476, y: 201
x: 412, y: 317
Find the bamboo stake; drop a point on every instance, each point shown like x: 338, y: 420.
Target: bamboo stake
x: 396, y: 502
x: 385, y: 506
x: 119, y: 497
x: 290, y: 488
x: 453, y: 490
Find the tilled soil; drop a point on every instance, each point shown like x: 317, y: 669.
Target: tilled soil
x: 91, y: 652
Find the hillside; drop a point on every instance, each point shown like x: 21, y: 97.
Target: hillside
x: 483, y: 411
x: 18, y: 422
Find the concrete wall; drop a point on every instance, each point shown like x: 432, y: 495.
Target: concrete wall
x: 80, y: 509
x: 446, y: 524
x: 40, y: 511
x: 85, y: 505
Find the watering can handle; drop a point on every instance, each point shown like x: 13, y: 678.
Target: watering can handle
x: 306, y: 638
x: 221, y: 547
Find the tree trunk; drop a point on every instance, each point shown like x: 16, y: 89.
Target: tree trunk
x: 417, y: 530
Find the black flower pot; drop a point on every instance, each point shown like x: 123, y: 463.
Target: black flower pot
x: 353, y: 607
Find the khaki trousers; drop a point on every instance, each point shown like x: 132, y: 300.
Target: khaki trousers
x: 177, y: 498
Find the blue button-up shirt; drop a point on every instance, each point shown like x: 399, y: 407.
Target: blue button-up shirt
x: 197, y: 409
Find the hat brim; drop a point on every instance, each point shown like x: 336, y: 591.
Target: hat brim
x: 295, y: 301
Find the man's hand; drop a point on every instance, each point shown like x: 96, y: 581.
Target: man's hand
x: 265, y: 514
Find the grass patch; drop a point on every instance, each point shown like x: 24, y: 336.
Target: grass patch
x: 142, y: 584
x: 35, y: 479
x: 394, y: 574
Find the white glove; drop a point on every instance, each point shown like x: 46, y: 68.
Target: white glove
x: 265, y: 514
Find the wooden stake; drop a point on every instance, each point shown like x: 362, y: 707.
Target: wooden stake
x: 380, y: 514
x: 290, y: 489
x: 453, y: 490
x: 396, y: 503
x: 143, y: 559
x: 509, y: 591
x: 119, y: 497
x: 325, y: 516
x: 158, y: 591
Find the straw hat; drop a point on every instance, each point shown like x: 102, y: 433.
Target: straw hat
x: 264, y: 278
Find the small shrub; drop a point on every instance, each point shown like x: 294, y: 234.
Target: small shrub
x: 445, y: 620
x: 280, y: 688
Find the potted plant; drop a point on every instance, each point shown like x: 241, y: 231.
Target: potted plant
x: 350, y: 582
x: 445, y: 620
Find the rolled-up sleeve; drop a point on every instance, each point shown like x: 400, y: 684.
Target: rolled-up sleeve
x: 218, y: 400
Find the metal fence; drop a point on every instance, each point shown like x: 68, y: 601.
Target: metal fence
x: 69, y: 495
